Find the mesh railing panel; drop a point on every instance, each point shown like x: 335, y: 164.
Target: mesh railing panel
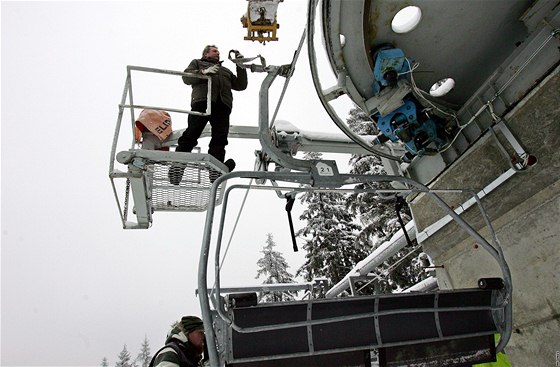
x: 181, y: 186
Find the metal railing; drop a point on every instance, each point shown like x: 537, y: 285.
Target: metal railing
x: 127, y: 103
x: 128, y: 95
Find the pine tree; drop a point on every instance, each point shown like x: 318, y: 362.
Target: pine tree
x: 144, y: 356
x: 275, y: 268
x: 330, y: 235
x: 360, y: 123
x: 124, y: 358
x: 378, y: 216
x: 104, y: 362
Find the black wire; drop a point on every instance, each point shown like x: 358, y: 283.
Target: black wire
x: 291, y: 199
x: 399, y: 203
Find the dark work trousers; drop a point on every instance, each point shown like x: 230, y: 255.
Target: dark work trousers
x: 219, y: 121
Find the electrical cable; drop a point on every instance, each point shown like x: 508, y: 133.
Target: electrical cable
x: 290, y: 73
x: 488, y: 105
x: 421, y: 93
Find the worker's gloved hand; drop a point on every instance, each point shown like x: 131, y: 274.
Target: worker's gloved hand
x: 238, y: 55
x: 211, y: 70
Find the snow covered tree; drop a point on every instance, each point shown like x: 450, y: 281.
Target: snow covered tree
x: 330, y: 235
x: 343, y: 229
x: 360, y: 122
x: 124, y: 359
x: 378, y: 215
x: 275, y: 268
x: 104, y: 362
x: 144, y: 356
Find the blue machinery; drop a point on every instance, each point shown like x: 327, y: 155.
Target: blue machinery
x: 407, y: 124
x: 438, y: 326
x: 403, y: 125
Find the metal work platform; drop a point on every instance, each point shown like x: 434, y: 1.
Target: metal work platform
x: 260, y: 20
x: 146, y: 173
x: 158, y: 180
x: 149, y: 178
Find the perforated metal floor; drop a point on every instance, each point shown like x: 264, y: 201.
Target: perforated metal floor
x: 181, y: 187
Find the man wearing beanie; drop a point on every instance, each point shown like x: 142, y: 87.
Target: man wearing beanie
x: 184, y: 345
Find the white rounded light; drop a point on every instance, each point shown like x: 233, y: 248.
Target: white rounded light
x: 442, y: 87
x: 406, y: 19
x: 342, y: 40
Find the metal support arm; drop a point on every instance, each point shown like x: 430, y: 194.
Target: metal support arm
x: 265, y: 138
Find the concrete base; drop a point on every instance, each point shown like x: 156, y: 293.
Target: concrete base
x: 535, y: 344
x: 525, y: 213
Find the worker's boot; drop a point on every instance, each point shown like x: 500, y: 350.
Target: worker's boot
x: 230, y: 164
x: 175, y: 173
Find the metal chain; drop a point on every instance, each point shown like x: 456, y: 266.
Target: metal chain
x: 126, y: 195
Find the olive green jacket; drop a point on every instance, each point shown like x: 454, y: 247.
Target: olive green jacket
x: 222, y: 82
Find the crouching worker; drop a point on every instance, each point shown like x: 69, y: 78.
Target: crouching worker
x: 184, y: 346
x: 152, y: 128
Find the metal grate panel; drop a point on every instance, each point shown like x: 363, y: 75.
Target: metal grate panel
x: 193, y: 190
x: 166, y: 181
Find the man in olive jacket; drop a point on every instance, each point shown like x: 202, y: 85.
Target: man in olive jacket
x: 184, y: 346
x: 223, y: 81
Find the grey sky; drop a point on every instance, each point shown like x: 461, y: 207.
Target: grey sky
x: 75, y: 286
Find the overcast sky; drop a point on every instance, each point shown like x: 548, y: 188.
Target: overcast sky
x: 76, y: 287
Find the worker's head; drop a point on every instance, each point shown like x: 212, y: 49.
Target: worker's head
x: 211, y: 52
x: 194, y: 330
